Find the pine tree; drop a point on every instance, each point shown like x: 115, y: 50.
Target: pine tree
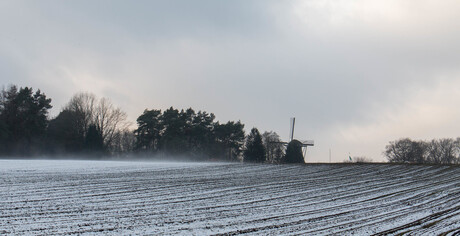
x: 94, y: 142
x: 255, y: 150
x: 23, y: 120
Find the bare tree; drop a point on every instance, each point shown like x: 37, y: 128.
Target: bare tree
x: 397, y: 151
x: 89, y: 110
x: 442, y: 151
x: 406, y: 150
x: 109, y: 119
x: 273, y: 147
x: 83, y: 106
x: 436, y: 151
x: 447, y: 147
x: 457, y: 151
x: 123, y: 142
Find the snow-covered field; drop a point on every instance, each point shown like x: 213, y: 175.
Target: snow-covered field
x: 88, y: 197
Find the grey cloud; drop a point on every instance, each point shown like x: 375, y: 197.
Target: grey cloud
x: 258, y: 61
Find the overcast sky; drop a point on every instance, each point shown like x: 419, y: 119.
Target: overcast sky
x: 356, y: 74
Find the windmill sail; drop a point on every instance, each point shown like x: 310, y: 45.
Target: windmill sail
x: 291, y: 131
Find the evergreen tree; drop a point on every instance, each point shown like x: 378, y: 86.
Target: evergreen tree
x: 149, y: 130
x: 255, y: 151
x: 3, y: 136
x: 190, y: 133
x: 173, y: 140
x: 229, y: 139
x: 63, y: 135
x: 200, y: 135
x: 94, y: 142
x: 24, y: 119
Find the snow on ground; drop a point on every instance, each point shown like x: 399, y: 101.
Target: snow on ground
x: 87, y: 197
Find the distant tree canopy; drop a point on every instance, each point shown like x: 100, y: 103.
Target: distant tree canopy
x: 255, y: 150
x: 436, y: 151
x: 294, y: 152
x: 23, y: 120
x: 190, y: 133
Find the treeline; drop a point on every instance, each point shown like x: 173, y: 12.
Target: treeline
x: 188, y: 133
x: 436, y: 151
x: 93, y: 127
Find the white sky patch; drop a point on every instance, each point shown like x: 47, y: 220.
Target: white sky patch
x: 343, y: 13
x: 379, y: 15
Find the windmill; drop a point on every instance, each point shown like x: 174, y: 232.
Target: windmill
x: 304, y: 143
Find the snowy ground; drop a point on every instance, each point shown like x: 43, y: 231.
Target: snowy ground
x: 88, y: 197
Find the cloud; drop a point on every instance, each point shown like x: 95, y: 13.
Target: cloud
x: 345, y: 69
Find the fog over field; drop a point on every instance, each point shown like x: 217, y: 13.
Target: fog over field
x: 109, y: 197
x: 356, y: 74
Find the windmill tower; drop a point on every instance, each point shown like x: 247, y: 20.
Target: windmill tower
x: 304, y: 143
